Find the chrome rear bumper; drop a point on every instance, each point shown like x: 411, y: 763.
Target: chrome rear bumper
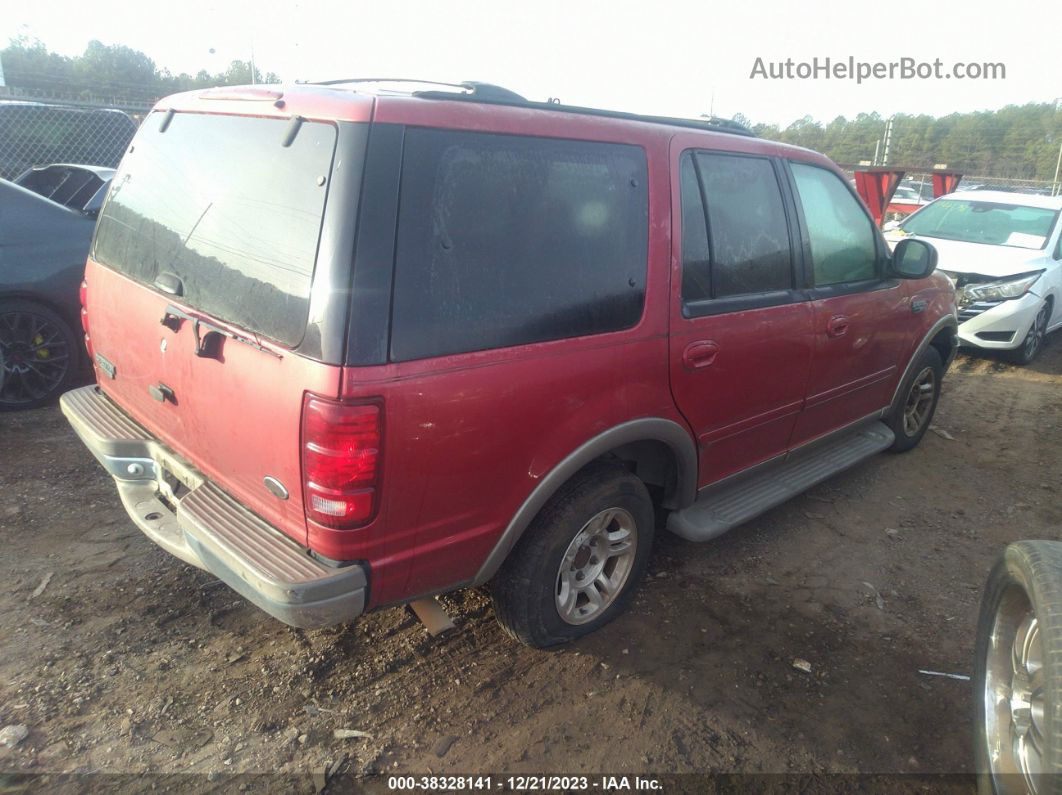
x: 207, y: 527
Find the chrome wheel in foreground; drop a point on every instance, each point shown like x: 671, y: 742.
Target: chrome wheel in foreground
x: 919, y: 403
x: 596, y: 565
x: 35, y: 357
x: 1014, y: 696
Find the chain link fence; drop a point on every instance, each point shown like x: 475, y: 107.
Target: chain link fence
x: 1042, y: 187
x: 34, y: 133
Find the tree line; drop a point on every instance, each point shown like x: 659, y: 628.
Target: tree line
x: 108, y: 71
x: 1016, y: 142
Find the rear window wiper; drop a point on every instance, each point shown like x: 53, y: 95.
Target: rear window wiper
x: 208, y: 336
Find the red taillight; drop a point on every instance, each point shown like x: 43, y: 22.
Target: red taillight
x: 340, y: 461
x: 83, y: 298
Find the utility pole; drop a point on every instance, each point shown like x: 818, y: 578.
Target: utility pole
x: 1054, y: 188
x: 2, y: 83
x: 888, y: 141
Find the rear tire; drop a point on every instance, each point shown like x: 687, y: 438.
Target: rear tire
x: 578, y: 563
x: 39, y: 354
x: 918, y: 399
x: 1018, y: 672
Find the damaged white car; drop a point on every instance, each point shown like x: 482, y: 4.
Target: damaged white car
x: 1003, y: 252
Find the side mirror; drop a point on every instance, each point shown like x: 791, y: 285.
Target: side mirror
x: 913, y: 259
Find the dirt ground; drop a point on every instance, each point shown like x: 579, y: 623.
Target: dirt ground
x: 129, y: 661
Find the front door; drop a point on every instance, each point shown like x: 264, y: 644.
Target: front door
x: 741, y: 335
x: 862, y: 320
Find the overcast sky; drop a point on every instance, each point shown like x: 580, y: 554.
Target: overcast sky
x: 664, y: 57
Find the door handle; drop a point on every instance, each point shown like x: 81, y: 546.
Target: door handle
x: 699, y: 354
x: 837, y: 326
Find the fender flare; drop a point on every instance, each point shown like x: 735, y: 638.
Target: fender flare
x: 947, y: 321
x: 658, y: 429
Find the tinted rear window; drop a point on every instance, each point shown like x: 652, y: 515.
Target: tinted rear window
x: 222, y: 204
x: 505, y: 240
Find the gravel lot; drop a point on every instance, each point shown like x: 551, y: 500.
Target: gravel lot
x: 129, y: 661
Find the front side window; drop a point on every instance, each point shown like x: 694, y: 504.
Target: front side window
x: 506, y: 240
x: 840, y: 232
x: 748, y: 237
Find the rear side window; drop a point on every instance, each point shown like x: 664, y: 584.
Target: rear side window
x: 840, y: 232
x: 506, y: 240
x: 219, y: 202
x: 747, y: 230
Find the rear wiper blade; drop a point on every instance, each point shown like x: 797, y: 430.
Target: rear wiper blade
x: 208, y: 345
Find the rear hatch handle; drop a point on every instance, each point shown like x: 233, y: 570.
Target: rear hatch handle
x: 207, y: 336
x: 170, y: 283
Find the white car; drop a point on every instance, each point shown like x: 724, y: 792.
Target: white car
x: 1003, y: 253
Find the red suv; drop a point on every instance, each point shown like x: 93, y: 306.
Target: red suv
x: 358, y: 345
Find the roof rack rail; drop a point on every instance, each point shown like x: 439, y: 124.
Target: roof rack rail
x: 472, y: 91
x: 470, y: 88
x: 345, y: 80
x: 495, y: 95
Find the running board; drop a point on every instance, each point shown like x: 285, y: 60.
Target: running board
x: 721, y: 508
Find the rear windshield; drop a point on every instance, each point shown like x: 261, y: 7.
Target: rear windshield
x: 993, y: 223
x: 221, y: 203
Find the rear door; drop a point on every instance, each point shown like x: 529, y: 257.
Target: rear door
x: 199, y: 290
x: 740, y: 332
x: 862, y: 320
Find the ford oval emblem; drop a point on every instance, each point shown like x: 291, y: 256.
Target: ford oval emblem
x: 276, y: 488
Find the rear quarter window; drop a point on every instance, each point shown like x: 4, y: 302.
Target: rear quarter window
x: 505, y: 240
x: 219, y: 202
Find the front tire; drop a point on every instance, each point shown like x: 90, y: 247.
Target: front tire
x: 919, y: 395
x: 38, y: 353
x: 576, y: 566
x: 1034, y: 341
x: 1018, y: 672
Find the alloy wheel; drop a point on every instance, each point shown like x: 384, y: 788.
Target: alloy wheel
x: 1035, y: 338
x: 1013, y: 697
x: 34, y: 355
x: 919, y: 403
x: 596, y: 565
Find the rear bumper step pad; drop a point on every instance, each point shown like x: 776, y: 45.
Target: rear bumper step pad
x: 210, y: 529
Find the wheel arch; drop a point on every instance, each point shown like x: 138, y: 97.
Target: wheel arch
x: 659, y: 451
x: 37, y: 298
x: 1052, y: 300
x: 943, y: 336
x: 945, y: 341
